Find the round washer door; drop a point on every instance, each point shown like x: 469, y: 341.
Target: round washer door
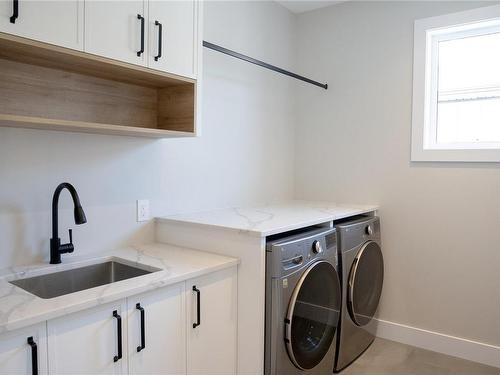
x: 313, y: 315
x: 365, y: 283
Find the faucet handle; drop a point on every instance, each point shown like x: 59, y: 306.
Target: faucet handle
x: 71, y: 236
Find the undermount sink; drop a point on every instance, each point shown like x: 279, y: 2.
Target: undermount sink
x: 74, y: 280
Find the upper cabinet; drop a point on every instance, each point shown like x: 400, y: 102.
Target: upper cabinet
x: 117, y: 29
x: 111, y: 67
x: 173, y: 38
x: 159, y: 34
x: 54, y: 22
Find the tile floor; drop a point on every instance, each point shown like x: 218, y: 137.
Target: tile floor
x: 385, y: 357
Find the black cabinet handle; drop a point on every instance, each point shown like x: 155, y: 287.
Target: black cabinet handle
x: 143, y: 329
x: 15, y: 11
x: 34, y: 355
x: 119, y: 329
x: 198, y: 307
x: 160, y: 32
x: 139, y: 17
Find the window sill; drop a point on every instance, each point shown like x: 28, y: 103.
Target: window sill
x: 479, y: 156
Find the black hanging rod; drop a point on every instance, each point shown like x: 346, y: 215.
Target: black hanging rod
x: 249, y: 59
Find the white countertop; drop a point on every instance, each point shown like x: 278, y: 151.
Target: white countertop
x: 19, y: 308
x: 271, y: 219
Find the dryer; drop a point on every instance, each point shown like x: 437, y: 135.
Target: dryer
x: 302, y: 303
x: 361, y: 267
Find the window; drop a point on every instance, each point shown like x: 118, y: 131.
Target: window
x: 456, y: 87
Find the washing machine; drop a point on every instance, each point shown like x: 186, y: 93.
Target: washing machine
x: 361, y: 266
x: 303, y: 298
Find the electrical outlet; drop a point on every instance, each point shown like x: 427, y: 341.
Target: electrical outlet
x: 143, y: 213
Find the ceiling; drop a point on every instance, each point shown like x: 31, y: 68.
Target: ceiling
x: 301, y: 6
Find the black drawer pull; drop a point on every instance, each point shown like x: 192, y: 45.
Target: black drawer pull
x: 34, y: 355
x: 198, y: 307
x: 160, y: 32
x: 140, y: 52
x: 119, y: 329
x: 15, y: 11
x: 143, y: 329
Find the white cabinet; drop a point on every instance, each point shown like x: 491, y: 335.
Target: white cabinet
x: 173, y: 39
x: 160, y: 34
x: 170, y: 37
x: 23, y: 349
x: 117, y: 29
x: 185, y: 328
x: 212, y: 311
x: 164, y: 320
x: 55, y: 22
x: 88, y: 342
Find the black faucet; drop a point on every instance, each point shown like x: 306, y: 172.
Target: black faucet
x: 56, y: 249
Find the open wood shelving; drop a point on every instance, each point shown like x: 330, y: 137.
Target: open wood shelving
x: 43, y: 86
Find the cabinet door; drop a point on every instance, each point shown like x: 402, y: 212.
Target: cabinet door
x: 175, y: 22
x: 55, y: 22
x: 87, y: 342
x: 16, y: 354
x: 212, y: 339
x: 113, y: 29
x: 164, y: 351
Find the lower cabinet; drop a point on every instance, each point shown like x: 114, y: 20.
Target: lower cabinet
x: 211, y: 339
x: 24, y: 351
x: 156, y: 330
x: 92, y: 341
x: 187, y: 328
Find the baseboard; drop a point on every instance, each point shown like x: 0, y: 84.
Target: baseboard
x: 438, y: 342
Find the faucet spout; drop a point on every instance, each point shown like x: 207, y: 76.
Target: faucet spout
x: 56, y: 249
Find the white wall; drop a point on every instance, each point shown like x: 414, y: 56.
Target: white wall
x: 245, y: 154
x: 440, y: 222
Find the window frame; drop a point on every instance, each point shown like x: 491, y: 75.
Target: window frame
x: 427, y: 34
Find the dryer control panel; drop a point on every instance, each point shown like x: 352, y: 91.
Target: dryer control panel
x: 292, y: 252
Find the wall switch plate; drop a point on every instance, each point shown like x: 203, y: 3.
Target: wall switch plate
x: 143, y: 213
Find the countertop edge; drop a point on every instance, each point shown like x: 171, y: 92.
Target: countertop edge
x: 250, y: 232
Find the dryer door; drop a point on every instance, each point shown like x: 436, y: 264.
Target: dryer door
x: 365, y: 283
x: 313, y: 315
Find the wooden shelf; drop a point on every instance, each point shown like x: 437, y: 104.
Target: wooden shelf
x: 87, y: 127
x: 48, y: 87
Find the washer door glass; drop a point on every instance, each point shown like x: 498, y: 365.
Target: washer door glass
x: 313, y: 315
x: 365, y: 283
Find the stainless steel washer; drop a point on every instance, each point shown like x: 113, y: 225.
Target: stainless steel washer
x: 303, y: 299
x: 361, y: 267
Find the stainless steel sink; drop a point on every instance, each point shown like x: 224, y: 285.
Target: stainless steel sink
x: 74, y: 280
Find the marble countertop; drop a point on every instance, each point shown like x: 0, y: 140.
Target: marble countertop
x: 19, y: 308
x: 271, y: 219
